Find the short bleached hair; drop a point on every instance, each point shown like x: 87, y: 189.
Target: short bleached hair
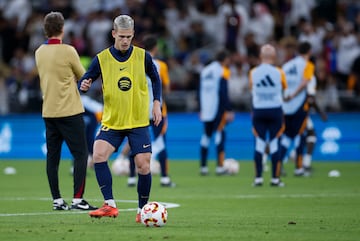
x: 123, y: 22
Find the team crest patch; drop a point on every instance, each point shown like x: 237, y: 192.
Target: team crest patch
x: 124, y: 84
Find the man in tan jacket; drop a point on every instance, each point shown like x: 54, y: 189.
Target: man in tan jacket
x: 59, y: 69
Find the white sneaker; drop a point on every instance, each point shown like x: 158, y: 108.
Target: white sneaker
x: 221, y: 171
x: 299, y: 172
x: 204, y: 171
x: 166, y: 182
x: 258, y: 182
x: 131, y: 181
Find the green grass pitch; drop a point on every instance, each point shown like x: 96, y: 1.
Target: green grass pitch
x: 316, y: 208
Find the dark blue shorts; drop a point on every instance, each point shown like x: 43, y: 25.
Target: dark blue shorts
x: 139, y: 138
x: 268, y: 122
x: 295, y: 124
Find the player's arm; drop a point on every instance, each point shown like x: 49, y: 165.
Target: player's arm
x: 151, y: 71
x: 250, y: 79
x: 91, y: 75
x: 308, y: 74
x: 77, y: 68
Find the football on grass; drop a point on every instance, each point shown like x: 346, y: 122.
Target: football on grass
x: 121, y: 167
x: 231, y: 166
x: 154, y: 214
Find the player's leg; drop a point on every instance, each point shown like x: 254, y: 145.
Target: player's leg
x: 310, y: 145
x: 287, y: 139
x: 126, y: 154
x: 106, y: 142
x: 204, y: 147
x: 218, y: 128
x: 53, y: 143
x: 159, y: 150
x: 132, y: 172
x: 276, y: 129
x: 300, y: 123
x: 73, y: 131
x: 140, y: 144
x: 220, y: 140
x: 265, y: 158
x: 259, y: 130
x: 299, y: 150
x: 220, y: 151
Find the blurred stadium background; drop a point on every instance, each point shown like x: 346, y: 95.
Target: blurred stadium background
x: 189, y: 33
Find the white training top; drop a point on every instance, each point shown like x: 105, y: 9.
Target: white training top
x: 296, y: 70
x: 210, y: 78
x: 267, y: 83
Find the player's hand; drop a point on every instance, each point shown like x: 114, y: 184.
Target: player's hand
x: 85, y: 85
x: 156, y: 112
x: 288, y: 98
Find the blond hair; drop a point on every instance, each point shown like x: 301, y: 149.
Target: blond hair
x: 123, y: 22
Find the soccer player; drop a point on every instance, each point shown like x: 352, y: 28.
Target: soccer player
x: 299, y: 72
x: 215, y: 109
x: 59, y: 69
x: 310, y: 135
x: 267, y: 84
x: 123, y: 68
x: 159, y: 149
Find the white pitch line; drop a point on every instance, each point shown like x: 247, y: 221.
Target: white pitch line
x: 166, y: 204
x: 304, y: 195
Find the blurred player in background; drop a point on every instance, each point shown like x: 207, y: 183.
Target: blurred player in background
x: 215, y: 109
x: 123, y: 68
x: 267, y: 84
x: 59, y: 68
x: 309, y: 136
x: 159, y: 150
x: 299, y: 72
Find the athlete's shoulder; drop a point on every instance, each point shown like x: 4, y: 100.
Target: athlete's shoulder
x: 104, y: 51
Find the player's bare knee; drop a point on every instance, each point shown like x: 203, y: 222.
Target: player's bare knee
x: 142, y: 161
x: 99, y: 157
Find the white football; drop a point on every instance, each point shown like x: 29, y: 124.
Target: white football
x: 154, y: 214
x: 121, y: 167
x: 231, y: 166
x: 9, y: 171
x: 155, y: 167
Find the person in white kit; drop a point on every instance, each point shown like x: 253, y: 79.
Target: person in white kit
x: 299, y: 72
x: 267, y: 84
x: 215, y: 109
